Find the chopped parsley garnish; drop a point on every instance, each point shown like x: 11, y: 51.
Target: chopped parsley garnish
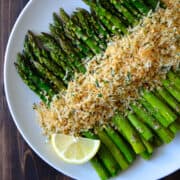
x: 100, y: 95
x: 97, y: 83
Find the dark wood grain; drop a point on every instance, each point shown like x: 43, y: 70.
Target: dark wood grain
x: 17, y: 160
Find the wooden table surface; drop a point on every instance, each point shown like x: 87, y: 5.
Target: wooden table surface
x: 17, y: 160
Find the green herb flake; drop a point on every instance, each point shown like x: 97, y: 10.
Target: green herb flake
x: 105, y: 81
x: 128, y: 78
x: 100, y: 95
x: 97, y: 83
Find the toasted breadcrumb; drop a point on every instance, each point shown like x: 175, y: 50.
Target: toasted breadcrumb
x: 113, y: 80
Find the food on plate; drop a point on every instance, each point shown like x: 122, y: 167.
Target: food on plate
x: 110, y: 75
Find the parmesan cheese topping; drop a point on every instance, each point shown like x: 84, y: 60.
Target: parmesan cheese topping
x: 113, y: 80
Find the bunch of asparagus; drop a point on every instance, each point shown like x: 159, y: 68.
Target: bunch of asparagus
x: 49, y: 61
x: 150, y: 122
x: 53, y: 58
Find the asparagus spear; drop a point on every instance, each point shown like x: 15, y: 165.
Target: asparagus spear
x: 152, y: 3
x: 146, y: 155
x: 25, y: 66
x: 145, y: 116
x: 48, y: 75
x: 171, y: 101
x: 58, y: 31
x: 174, y: 78
x: 57, y: 22
x: 128, y: 4
x: 90, y: 28
x: 102, y: 26
x: 148, y: 145
x: 71, y: 26
x: 128, y: 132
x: 100, y: 169
x: 149, y: 149
x: 44, y: 72
x: 105, y: 155
x: 159, y: 106
x: 81, y: 49
x: 172, y: 89
x: 119, y: 6
x: 104, y: 14
x: 77, y: 19
x: 108, y: 160
x: 94, y: 22
x: 57, y: 28
x: 157, y: 142
x: 155, y: 113
x: 139, y: 4
x: 111, y: 9
x: 107, y: 24
x: 30, y: 84
x: 143, y: 130
x: 71, y: 37
x: 113, y: 149
x: 121, y: 144
x: 57, y: 54
x: 44, y: 58
x: 56, y: 51
x: 175, y: 127
x: 82, y: 20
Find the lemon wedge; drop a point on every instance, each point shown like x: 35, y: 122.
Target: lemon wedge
x: 74, y: 150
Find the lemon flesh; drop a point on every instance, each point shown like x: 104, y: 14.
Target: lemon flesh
x: 74, y: 150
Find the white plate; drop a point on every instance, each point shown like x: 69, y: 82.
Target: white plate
x: 36, y: 16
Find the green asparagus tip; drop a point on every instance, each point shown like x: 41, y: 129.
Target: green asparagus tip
x: 55, y: 17
x: 64, y: 16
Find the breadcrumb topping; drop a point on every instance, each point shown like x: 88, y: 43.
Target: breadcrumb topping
x: 114, y: 79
